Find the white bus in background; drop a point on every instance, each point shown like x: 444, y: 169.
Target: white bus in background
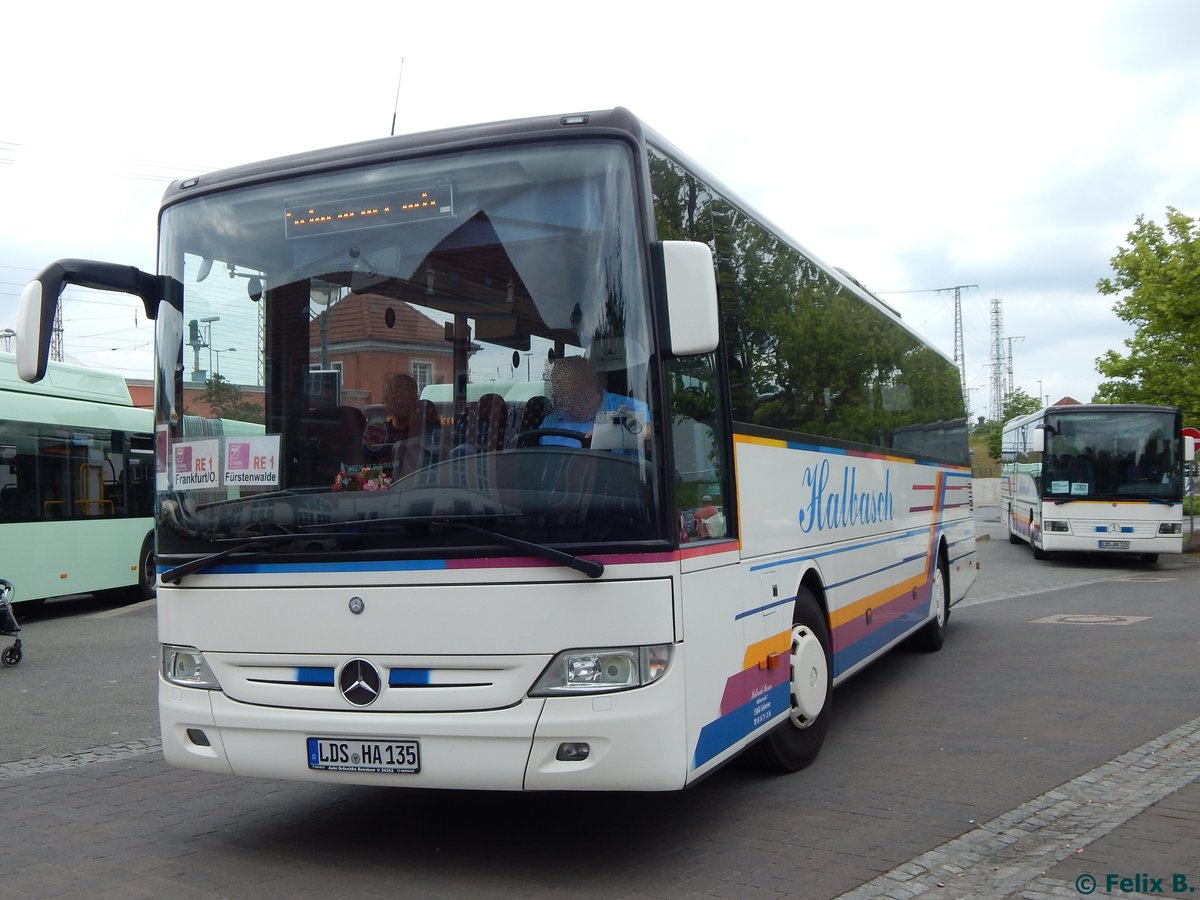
x: 76, y: 484
x: 522, y: 613
x: 1095, y: 477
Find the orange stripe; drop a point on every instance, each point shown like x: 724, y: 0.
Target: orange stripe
x: 873, y: 601
x: 759, y: 651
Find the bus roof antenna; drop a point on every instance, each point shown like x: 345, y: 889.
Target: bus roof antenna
x: 396, y: 105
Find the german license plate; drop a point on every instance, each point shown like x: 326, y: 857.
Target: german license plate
x: 1114, y: 545
x: 398, y: 757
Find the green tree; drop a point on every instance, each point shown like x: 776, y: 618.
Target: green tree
x: 1158, y: 278
x: 226, y: 402
x: 1018, y: 403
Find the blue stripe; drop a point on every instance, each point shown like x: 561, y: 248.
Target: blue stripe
x: 903, y: 562
x: 852, y: 655
x: 762, y: 609
x: 863, y: 546
x: 408, y: 677
x: 415, y: 565
x: 879, y: 456
x: 718, y: 736
x: 314, y: 675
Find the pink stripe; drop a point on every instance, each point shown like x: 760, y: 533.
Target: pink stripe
x: 883, y: 615
x: 741, y: 688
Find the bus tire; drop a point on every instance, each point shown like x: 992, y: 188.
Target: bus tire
x: 795, y: 742
x: 147, y: 573
x: 933, y: 634
x: 1013, y: 537
x: 1150, y: 558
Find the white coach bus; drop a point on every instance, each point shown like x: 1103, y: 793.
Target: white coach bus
x: 732, y: 480
x: 1095, y: 477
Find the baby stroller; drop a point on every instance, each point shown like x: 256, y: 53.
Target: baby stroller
x: 8, y: 625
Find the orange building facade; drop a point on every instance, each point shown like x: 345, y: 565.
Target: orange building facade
x: 366, y: 338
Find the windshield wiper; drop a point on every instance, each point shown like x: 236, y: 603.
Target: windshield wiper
x: 177, y: 574
x: 588, y: 567
x: 1153, y: 498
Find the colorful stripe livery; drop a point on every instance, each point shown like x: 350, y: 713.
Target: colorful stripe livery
x: 756, y: 694
x: 874, y: 522
x: 461, y: 564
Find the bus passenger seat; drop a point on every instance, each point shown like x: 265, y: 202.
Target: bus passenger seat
x: 534, y: 413
x: 490, y: 425
x: 423, y: 446
x: 336, y: 435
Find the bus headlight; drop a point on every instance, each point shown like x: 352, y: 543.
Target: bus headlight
x: 1170, y: 528
x: 1055, y: 525
x: 186, y: 667
x: 598, y: 671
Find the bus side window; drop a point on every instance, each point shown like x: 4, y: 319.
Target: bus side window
x: 699, y: 441
x: 10, y: 503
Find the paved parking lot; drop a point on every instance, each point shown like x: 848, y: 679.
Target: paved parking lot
x: 1055, y: 738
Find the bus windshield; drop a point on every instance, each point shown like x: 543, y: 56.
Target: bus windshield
x: 1119, y: 453
x: 440, y: 341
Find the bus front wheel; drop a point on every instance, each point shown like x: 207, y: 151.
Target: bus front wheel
x: 795, y: 742
x: 1038, y: 552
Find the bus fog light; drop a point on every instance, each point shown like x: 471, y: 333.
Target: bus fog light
x: 186, y: 667
x: 573, y: 752
x: 603, y: 670
x: 198, y: 737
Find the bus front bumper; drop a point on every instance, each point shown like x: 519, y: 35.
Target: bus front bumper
x: 635, y: 741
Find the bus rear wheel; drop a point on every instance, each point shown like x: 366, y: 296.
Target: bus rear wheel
x: 795, y: 742
x: 933, y: 634
x: 147, y: 573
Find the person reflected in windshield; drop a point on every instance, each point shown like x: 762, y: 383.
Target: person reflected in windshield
x: 400, y: 400
x: 576, y: 396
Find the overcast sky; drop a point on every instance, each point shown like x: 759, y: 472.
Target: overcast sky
x: 919, y: 145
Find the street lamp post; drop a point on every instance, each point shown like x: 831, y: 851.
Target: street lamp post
x: 208, y: 337
x: 217, y: 369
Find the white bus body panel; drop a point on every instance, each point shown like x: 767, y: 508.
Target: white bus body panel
x: 457, y: 617
x: 480, y: 645
x: 1096, y: 526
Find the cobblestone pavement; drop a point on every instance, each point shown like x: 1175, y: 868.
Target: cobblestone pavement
x: 1018, y: 853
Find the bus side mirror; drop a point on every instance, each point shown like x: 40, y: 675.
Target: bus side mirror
x: 687, y: 282
x: 1037, y: 439
x: 1189, y: 449
x: 39, y: 303
x: 35, y: 325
